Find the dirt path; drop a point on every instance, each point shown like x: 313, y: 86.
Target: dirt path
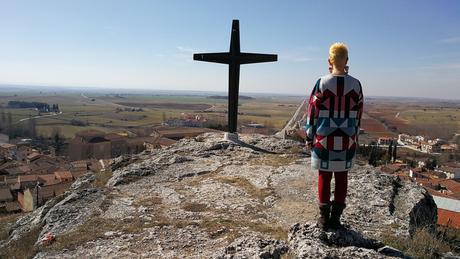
x: 38, y: 117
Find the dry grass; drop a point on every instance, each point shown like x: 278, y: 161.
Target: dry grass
x: 275, y: 231
x: 451, y: 236
x: 247, y: 186
x: 423, y: 244
x: 194, y: 207
x: 195, y: 181
x: 149, y: 201
x: 23, y: 247
x: 232, y: 228
x: 96, y: 227
x: 90, y: 230
x: 289, y: 255
x: 5, y: 223
x: 274, y: 160
x: 102, y: 178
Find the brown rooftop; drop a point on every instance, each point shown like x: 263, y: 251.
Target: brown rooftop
x: 5, y: 194
x: 78, y: 174
x: 12, y: 206
x: 49, y: 179
x: 33, y: 155
x: 448, y: 218
x: 451, y: 185
x: 63, y: 174
x: 449, y: 168
x: 79, y: 164
x: 166, y: 141
x: 141, y: 140
x: 28, y: 178
x: 14, y: 171
x: 7, y: 146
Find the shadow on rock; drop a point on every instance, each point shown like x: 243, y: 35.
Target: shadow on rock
x: 309, y: 241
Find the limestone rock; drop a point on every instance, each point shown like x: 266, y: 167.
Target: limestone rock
x: 29, y: 222
x: 203, y: 197
x: 253, y: 247
x: 309, y: 241
x: 83, y: 182
x: 379, y: 204
x: 72, y: 211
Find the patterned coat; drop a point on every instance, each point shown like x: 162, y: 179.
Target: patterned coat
x: 333, y: 119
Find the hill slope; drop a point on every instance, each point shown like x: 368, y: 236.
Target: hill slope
x: 205, y: 197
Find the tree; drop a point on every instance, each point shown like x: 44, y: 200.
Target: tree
x: 372, y: 157
x: 9, y: 125
x: 57, y: 139
x: 390, y: 151
x: 32, y: 128
x: 394, y: 152
x: 411, y: 163
x: 2, y: 120
x: 430, y: 164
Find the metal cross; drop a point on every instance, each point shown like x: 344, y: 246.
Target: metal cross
x: 234, y: 58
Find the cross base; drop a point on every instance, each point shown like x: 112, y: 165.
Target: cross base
x: 232, y: 137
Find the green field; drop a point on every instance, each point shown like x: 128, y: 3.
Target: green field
x: 441, y: 122
x: 102, y: 112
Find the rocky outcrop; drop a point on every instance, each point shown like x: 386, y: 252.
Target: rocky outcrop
x: 61, y: 214
x: 205, y: 197
x: 308, y: 241
x: 75, y: 209
x: 379, y: 204
x: 253, y: 246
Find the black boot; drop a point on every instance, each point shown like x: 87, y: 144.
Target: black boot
x: 324, y: 214
x: 336, y: 212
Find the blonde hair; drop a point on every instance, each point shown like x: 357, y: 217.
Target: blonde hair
x: 338, y: 51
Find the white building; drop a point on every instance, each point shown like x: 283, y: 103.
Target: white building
x: 450, y: 172
x: 447, y: 203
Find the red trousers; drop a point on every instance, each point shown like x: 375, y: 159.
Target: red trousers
x: 324, y: 186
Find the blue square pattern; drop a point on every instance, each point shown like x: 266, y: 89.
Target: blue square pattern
x: 324, y: 164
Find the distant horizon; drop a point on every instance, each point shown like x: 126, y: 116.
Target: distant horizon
x: 107, y: 90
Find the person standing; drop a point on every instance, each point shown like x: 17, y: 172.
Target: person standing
x: 334, y: 115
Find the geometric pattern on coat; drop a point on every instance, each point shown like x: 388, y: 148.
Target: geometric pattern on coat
x: 334, y: 114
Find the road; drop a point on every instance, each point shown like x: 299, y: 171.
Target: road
x: 38, y: 117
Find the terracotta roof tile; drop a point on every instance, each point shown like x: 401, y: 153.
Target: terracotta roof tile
x: 49, y: 179
x: 63, y: 174
x: 7, y: 146
x: 449, y: 218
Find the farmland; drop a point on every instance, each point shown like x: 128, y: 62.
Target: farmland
x: 428, y: 118
x: 109, y: 111
x: 112, y: 112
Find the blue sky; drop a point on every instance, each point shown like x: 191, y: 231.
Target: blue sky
x: 397, y: 48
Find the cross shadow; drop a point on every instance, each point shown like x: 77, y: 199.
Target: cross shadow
x: 255, y: 148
